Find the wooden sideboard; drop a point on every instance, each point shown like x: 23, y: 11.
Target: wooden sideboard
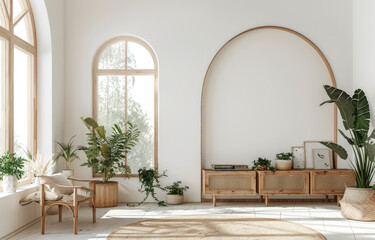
x: 265, y: 183
x: 228, y: 183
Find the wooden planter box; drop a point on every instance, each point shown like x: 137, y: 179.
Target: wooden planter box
x: 294, y: 182
x: 106, y: 194
x: 228, y: 183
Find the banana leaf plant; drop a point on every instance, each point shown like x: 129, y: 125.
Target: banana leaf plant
x: 107, y: 153
x: 355, y: 113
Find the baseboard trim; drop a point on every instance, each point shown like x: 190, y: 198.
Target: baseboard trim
x: 270, y: 200
x: 15, y: 232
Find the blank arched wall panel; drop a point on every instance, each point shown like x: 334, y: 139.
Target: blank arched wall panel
x: 261, y: 95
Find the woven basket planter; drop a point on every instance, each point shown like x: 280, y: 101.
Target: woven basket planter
x: 358, y: 204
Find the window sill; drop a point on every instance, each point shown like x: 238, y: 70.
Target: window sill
x: 20, y: 189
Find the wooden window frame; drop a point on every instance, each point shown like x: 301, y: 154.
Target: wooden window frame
x: 7, y: 102
x: 127, y: 72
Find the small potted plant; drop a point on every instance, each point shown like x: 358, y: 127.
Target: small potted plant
x: 11, y: 170
x: 68, y: 152
x: 262, y: 164
x: 284, y: 161
x: 175, y: 194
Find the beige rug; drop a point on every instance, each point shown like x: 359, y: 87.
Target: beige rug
x: 214, y: 227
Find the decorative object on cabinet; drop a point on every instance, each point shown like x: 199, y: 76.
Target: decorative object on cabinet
x: 262, y: 164
x: 295, y: 182
x: 322, y: 158
x: 284, y: 161
x: 298, y: 157
x: 309, y: 156
x: 355, y: 112
x: 106, y: 154
x: 228, y: 183
x: 175, y: 194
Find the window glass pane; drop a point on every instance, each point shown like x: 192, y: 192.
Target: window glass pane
x: 3, y: 16
x: 111, y: 101
x: 113, y: 57
x: 139, y: 57
x: 2, y: 86
x: 18, y: 8
x: 140, y: 109
x: 22, y: 103
x: 23, y: 29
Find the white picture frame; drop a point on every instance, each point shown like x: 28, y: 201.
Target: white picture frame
x: 322, y: 158
x: 309, y: 158
x: 298, y: 157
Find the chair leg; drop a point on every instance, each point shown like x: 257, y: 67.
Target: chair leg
x: 93, y: 210
x: 75, y: 220
x: 43, y: 221
x: 60, y: 213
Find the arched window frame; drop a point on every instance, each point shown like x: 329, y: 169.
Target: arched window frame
x: 13, y: 41
x: 127, y: 72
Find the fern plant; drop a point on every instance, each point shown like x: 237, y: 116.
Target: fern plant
x: 355, y: 113
x: 107, y: 153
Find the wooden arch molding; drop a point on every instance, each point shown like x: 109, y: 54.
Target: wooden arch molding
x: 280, y: 29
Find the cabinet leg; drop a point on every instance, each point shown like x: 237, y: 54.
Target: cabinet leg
x: 261, y: 199
x: 214, y: 200
x: 338, y: 197
x: 327, y: 200
x: 266, y: 200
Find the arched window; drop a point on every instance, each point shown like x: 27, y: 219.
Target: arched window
x: 125, y: 88
x: 18, y: 77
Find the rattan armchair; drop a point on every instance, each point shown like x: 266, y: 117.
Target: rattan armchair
x: 72, y: 204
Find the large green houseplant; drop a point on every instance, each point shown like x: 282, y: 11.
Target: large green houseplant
x: 355, y: 113
x: 106, y: 154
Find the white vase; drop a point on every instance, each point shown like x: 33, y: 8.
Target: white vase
x: 283, y: 164
x: 67, y: 172
x: 9, y: 183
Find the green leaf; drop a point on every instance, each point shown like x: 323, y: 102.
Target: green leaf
x: 344, y: 104
x: 372, y: 134
x: 371, y: 151
x: 100, y: 131
x: 337, y: 149
x: 91, y: 122
x: 362, y: 111
x: 350, y: 141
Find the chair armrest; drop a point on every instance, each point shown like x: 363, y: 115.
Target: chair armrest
x: 83, y: 180
x: 63, y: 186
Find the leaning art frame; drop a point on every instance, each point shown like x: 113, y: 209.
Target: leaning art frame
x: 278, y: 28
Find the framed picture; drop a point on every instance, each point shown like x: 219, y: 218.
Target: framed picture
x: 322, y: 158
x: 298, y: 157
x: 309, y: 158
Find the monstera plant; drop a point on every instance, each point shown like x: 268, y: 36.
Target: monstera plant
x: 355, y: 113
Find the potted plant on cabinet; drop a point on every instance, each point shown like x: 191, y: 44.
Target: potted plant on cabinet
x: 358, y: 203
x: 11, y: 170
x: 262, y: 164
x: 284, y: 161
x: 106, y: 154
x: 68, y: 152
x: 175, y: 194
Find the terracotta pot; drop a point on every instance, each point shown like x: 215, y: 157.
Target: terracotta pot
x: 106, y: 194
x: 9, y: 183
x: 358, y: 204
x: 174, y: 199
x: 283, y: 164
x: 67, y: 172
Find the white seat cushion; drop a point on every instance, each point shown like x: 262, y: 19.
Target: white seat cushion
x: 57, y: 179
x: 82, y: 194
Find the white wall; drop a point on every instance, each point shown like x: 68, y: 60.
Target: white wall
x: 185, y: 36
